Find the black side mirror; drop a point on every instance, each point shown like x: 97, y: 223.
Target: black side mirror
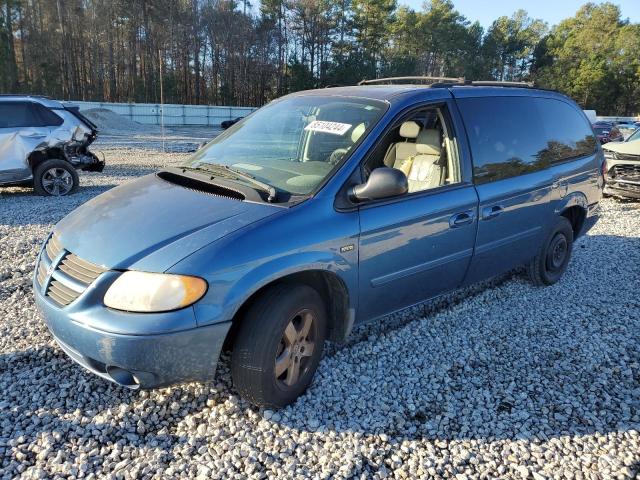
x: 383, y: 182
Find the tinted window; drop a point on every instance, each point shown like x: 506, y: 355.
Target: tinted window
x: 17, y: 115
x: 512, y: 136
x: 46, y: 118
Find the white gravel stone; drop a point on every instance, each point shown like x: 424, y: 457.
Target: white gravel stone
x: 501, y: 380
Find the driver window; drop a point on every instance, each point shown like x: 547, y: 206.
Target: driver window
x: 422, y: 147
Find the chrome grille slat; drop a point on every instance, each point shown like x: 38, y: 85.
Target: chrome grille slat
x: 59, y: 297
x: 75, y: 272
x: 60, y: 290
x: 71, y: 277
x: 88, y: 268
x: 42, y: 273
x: 53, y: 248
x: 68, y: 281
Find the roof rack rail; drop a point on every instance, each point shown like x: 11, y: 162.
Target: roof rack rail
x: 498, y: 83
x: 445, y: 82
x: 390, y: 80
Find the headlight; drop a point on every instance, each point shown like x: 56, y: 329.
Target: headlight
x: 153, y: 292
x: 610, y: 154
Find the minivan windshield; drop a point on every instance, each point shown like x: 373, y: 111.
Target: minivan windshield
x: 292, y: 144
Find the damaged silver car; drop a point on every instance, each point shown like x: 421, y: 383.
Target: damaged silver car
x: 43, y: 142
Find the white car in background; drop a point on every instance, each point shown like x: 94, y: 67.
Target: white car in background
x: 622, y: 176
x: 42, y: 143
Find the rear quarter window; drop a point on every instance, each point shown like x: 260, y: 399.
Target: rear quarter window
x: 46, y: 118
x: 512, y: 136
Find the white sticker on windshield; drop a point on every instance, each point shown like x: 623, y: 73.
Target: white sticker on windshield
x: 333, y: 128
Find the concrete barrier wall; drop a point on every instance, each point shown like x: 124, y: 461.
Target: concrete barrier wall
x: 618, y: 119
x: 174, y: 115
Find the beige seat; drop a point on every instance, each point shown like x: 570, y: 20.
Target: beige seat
x: 424, y: 170
x: 399, y: 152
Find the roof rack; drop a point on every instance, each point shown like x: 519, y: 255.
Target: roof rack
x: 445, y: 82
x: 484, y: 83
x: 414, y: 78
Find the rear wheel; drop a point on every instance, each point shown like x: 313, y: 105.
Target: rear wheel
x: 279, y: 345
x: 55, y: 178
x: 547, y: 267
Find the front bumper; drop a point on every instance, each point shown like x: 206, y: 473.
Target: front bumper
x: 623, y: 177
x: 622, y: 188
x: 145, y: 361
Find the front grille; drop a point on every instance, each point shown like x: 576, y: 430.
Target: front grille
x: 627, y: 156
x: 69, y: 278
x: 627, y: 171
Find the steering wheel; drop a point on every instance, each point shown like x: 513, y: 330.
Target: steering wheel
x: 337, y: 155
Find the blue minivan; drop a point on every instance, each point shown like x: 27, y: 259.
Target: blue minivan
x: 321, y: 210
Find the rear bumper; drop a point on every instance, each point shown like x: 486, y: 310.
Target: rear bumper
x: 88, y: 162
x: 137, y: 361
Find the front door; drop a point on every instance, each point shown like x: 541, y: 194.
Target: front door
x: 420, y: 244
x: 415, y: 249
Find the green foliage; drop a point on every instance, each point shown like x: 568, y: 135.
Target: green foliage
x: 225, y: 52
x: 371, y: 20
x: 595, y: 58
x: 509, y: 45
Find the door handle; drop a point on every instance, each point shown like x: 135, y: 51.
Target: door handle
x: 460, y: 219
x: 492, y: 211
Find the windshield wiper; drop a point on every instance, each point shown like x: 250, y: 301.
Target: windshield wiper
x: 272, y: 193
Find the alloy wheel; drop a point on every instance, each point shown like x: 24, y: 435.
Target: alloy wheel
x: 57, y: 181
x: 295, y: 349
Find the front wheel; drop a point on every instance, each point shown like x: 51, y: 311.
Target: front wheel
x: 55, y: 178
x: 547, y: 267
x: 279, y: 345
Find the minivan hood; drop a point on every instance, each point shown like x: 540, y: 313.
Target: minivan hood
x: 150, y: 224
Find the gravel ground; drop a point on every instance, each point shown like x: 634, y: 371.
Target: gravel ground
x: 503, y: 380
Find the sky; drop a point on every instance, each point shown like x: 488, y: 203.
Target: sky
x: 551, y: 11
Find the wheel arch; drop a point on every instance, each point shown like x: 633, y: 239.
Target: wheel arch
x: 42, y: 155
x: 331, y: 287
x: 574, y: 208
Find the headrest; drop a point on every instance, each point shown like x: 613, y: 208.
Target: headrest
x: 428, y: 142
x: 409, y: 129
x: 357, y: 132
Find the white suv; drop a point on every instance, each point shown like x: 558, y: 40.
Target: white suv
x: 43, y: 142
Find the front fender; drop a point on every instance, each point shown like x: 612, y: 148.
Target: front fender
x: 233, y: 289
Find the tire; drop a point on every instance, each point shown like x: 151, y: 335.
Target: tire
x: 55, y: 178
x: 550, y: 263
x: 265, y: 337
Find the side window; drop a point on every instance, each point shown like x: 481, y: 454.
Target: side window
x: 567, y: 131
x: 46, y: 118
x: 423, y: 147
x: 505, y: 134
x: 512, y: 136
x: 16, y: 115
